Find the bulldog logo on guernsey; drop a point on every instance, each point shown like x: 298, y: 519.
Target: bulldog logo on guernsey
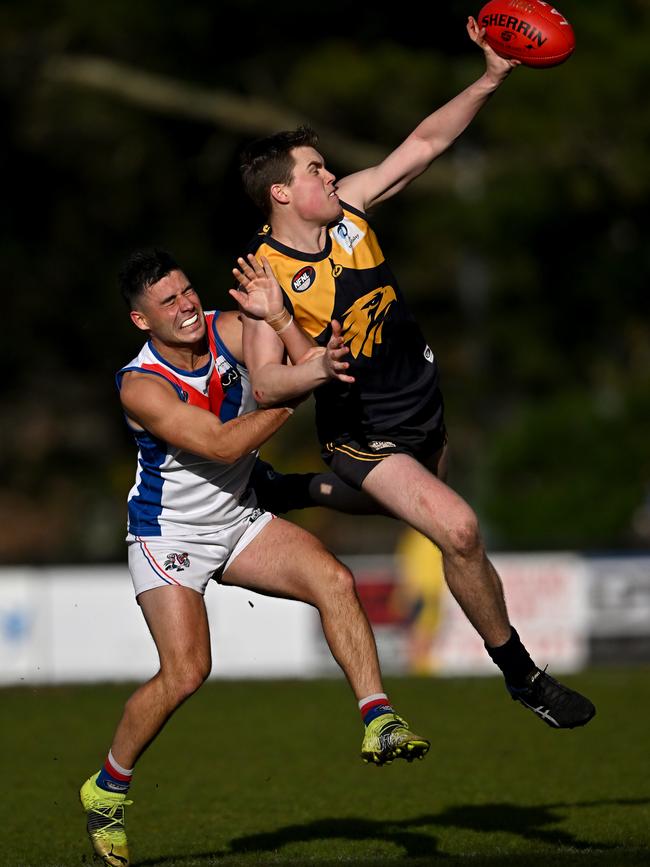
x: 303, y: 279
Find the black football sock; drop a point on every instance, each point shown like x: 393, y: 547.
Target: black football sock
x: 327, y: 489
x: 294, y: 489
x: 279, y: 492
x: 282, y: 492
x: 513, y: 660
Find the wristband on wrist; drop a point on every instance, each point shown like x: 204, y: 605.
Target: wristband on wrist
x: 280, y: 321
x: 283, y: 327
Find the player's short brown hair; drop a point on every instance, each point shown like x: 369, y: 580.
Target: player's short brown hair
x: 268, y: 161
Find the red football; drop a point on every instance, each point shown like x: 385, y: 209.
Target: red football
x: 527, y: 30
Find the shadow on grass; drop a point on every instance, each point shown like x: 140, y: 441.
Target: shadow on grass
x: 532, y: 824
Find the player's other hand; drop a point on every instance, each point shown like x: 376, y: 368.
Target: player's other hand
x: 331, y: 357
x: 258, y: 294
x: 335, y: 352
x: 496, y: 67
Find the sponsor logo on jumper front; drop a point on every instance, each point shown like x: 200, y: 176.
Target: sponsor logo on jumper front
x: 303, y: 279
x: 228, y: 375
x: 516, y: 25
x: 177, y: 562
x: 347, y: 234
x: 428, y: 354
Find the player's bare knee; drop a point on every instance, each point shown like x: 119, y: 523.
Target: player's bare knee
x: 464, y: 539
x: 184, y: 678
x: 339, y: 583
x: 345, y: 581
x: 188, y: 684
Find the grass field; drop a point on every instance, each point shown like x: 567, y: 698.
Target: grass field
x: 268, y: 774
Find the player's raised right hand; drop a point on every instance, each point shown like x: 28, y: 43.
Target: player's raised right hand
x: 259, y: 294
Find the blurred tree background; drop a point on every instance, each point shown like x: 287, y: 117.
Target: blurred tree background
x: 524, y: 250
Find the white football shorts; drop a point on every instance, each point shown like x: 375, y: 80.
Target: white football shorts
x: 190, y: 561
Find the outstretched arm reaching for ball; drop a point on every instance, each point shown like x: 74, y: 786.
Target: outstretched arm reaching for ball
x: 431, y: 137
x: 270, y: 332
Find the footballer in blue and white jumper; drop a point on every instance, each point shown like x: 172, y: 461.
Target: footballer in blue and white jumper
x: 192, y: 516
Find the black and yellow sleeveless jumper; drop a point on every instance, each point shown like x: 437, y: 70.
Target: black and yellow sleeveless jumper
x: 396, y: 375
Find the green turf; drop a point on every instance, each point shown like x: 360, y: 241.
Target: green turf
x: 268, y: 774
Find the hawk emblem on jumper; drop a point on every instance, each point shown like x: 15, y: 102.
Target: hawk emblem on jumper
x: 363, y: 321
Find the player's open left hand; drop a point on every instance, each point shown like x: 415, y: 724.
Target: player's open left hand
x: 497, y: 67
x: 335, y: 353
x: 331, y: 356
x: 259, y: 294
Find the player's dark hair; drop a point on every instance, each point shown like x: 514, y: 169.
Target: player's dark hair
x: 142, y: 269
x: 268, y: 161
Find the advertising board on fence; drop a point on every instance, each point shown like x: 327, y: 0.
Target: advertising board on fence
x: 547, y: 598
x: 619, y: 609
x: 80, y: 624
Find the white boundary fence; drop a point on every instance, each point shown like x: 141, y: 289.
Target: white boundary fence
x: 74, y: 624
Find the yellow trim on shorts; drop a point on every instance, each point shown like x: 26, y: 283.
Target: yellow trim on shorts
x: 361, y: 456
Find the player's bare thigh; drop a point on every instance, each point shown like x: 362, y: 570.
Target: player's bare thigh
x: 411, y: 492
x: 438, y: 463
x: 178, y: 623
x: 286, y: 561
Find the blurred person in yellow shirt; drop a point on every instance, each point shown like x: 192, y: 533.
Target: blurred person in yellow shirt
x: 418, y: 598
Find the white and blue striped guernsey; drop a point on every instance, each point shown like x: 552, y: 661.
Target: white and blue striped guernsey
x: 177, y: 493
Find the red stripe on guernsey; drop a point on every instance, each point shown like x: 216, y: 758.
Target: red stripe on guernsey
x: 212, y: 340
x: 194, y: 397
x: 216, y: 393
x: 112, y: 770
x: 157, y: 568
x: 378, y: 702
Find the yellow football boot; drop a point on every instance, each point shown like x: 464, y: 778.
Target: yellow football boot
x: 105, y: 825
x: 388, y: 737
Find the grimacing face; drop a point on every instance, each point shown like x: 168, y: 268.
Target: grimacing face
x: 171, y: 311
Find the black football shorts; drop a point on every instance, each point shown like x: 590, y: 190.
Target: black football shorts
x: 352, y: 459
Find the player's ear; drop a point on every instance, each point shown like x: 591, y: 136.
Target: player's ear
x: 139, y: 320
x: 280, y: 194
